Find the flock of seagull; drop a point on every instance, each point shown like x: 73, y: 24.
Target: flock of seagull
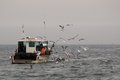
x: 65, y: 47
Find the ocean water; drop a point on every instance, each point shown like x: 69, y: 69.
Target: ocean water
x: 85, y: 62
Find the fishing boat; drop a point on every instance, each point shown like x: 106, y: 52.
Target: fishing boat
x: 31, y: 50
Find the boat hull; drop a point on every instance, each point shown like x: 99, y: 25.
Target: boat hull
x: 24, y: 61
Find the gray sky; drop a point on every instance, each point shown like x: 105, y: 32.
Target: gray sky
x: 98, y: 21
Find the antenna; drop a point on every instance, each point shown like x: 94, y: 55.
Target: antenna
x: 23, y: 31
x: 44, y: 28
x: 44, y: 24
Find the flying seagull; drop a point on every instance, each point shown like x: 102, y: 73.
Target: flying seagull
x: 64, y: 47
x: 61, y: 39
x: 74, y: 37
x: 69, y: 24
x: 62, y: 27
x: 81, y: 39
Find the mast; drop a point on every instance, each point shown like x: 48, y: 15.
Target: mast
x: 23, y: 31
x: 45, y: 35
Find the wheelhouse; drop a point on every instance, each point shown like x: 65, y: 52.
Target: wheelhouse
x: 31, y: 45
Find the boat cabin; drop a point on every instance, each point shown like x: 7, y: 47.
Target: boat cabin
x: 31, y: 45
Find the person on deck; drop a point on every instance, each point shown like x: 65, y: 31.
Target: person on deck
x: 43, y: 51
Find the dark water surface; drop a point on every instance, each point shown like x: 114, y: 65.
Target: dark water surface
x: 87, y: 62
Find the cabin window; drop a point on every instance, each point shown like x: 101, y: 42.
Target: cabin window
x: 21, y: 47
x: 38, y: 43
x: 20, y: 44
x: 45, y: 43
x: 31, y: 44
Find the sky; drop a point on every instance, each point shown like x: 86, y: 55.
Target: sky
x: 97, y: 21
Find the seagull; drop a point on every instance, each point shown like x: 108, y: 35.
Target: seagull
x: 74, y: 37
x: 78, y: 51
x: 67, y: 54
x: 84, y: 48
x: 53, y: 44
x: 62, y: 27
x: 69, y: 24
x: 61, y: 39
x: 64, y: 47
x: 81, y: 39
